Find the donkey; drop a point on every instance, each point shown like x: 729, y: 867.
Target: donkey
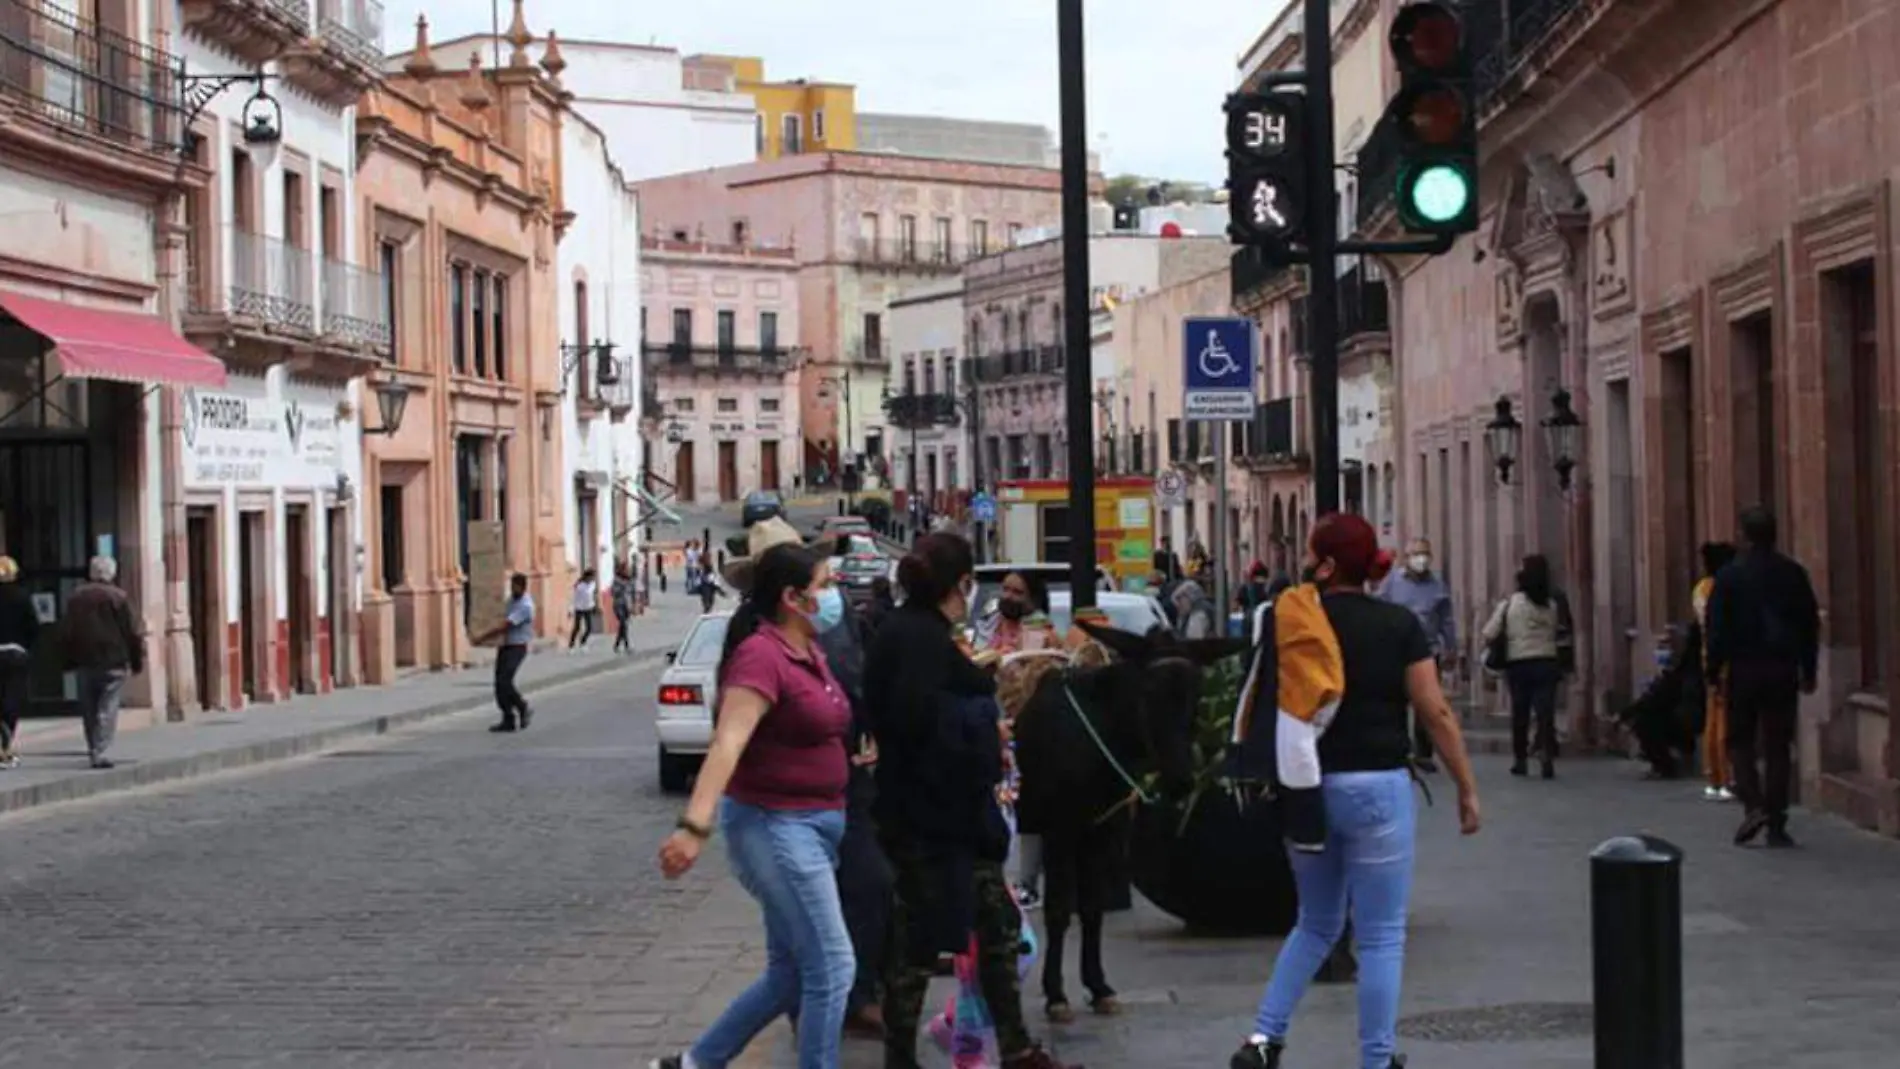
x: 1086, y: 740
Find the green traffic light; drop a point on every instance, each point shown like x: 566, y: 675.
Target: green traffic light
x: 1440, y: 193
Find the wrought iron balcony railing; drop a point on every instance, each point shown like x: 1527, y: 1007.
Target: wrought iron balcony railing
x: 77, y: 74
x: 686, y: 356
x: 909, y: 255
x: 355, y: 27
x: 919, y: 411
x: 266, y: 281
x: 1251, y: 271
x: 1363, y: 307
x: 355, y: 305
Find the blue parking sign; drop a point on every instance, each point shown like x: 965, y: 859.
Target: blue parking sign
x: 983, y: 508
x: 1218, y: 354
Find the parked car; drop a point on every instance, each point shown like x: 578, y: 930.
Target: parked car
x: 760, y: 505
x: 682, y: 716
x: 858, y: 563
x: 837, y: 526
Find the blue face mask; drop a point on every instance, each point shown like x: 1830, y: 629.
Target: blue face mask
x: 830, y: 611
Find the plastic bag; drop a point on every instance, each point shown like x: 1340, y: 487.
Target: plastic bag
x: 965, y: 1030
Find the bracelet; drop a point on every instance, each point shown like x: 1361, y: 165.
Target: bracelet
x: 697, y: 831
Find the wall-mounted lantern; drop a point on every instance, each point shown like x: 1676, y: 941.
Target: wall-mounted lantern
x: 1563, y: 431
x: 392, y: 399
x: 1503, y: 434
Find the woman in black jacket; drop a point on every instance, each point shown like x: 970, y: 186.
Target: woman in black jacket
x: 19, y: 629
x: 940, y: 760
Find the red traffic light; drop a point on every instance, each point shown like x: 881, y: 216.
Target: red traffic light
x: 1426, y: 37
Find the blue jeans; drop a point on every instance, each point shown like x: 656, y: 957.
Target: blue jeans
x: 786, y: 859
x: 1367, y: 865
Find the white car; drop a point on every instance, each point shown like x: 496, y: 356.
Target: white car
x: 683, y: 706
x: 1135, y: 613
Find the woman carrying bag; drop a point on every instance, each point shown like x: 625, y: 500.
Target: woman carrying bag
x: 1525, y: 640
x: 779, y: 759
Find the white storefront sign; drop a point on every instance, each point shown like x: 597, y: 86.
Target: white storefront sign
x: 250, y: 435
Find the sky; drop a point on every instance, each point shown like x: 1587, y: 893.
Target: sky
x: 1157, y: 71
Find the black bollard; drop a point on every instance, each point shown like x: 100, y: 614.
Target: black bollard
x: 1636, y: 952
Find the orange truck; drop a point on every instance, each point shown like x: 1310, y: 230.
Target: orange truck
x: 1032, y: 518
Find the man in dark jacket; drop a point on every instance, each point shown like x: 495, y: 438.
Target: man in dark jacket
x: 1764, y: 628
x: 19, y: 629
x: 103, y: 644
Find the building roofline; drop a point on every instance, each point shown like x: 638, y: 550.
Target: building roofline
x: 567, y: 44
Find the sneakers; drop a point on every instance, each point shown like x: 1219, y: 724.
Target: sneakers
x: 504, y: 728
x: 1258, y: 1052
x: 1752, y: 825
x: 1026, y: 896
x: 1717, y: 794
x: 9, y: 760
x: 1779, y: 839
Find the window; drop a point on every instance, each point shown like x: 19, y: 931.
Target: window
x: 768, y: 406
x: 728, y: 331
x: 499, y: 316
x: 768, y: 332
x: 1015, y: 233
x: 330, y: 221
x: 682, y: 404
x: 682, y: 328
x: 481, y: 323
x: 501, y: 488
x: 942, y: 252
x: 390, y: 258
x: 949, y: 374
x: 759, y: 134
x: 243, y: 192
x: 910, y: 376
x: 791, y: 138
x: 728, y: 406
x: 907, y: 237
x: 295, y: 232
x: 458, y: 318
x: 740, y: 235
x: 976, y: 337
x: 979, y: 236
x: 818, y: 126
x: 930, y: 375
x: 391, y: 503
x: 581, y: 370
x: 873, y: 337
x: 868, y: 235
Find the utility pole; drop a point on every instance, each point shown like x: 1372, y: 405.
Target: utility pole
x: 1080, y: 404
x: 1322, y: 241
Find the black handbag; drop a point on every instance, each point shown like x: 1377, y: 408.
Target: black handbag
x: 1497, y: 652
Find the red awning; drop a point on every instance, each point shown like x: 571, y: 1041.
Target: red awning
x: 93, y: 343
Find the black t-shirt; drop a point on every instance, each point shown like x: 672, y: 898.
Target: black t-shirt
x: 1379, y: 641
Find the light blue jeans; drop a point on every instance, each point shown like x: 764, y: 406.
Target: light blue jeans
x: 1371, y: 822
x: 787, y: 860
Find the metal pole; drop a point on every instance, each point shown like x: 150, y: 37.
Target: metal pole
x: 1075, y: 302
x: 1636, y: 952
x: 976, y: 459
x: 1221, y: 445
x: 1322, y: 230
x: 845, y: 467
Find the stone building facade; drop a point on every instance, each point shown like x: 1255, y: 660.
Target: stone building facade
x: 1688, y: 228
x: 459, y: 175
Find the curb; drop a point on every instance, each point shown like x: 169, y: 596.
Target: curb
x: 178, y: 769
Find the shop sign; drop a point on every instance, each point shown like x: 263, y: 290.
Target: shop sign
x: 262, y: 438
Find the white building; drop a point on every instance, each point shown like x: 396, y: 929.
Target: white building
x: 932, y: 432
x: 661, y: 113
x: 272, y: 461
x: 599, y: 268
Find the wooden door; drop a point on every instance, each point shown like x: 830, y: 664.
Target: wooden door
x: 297, y: 598
x: 683, y: 472
x: 768, y: 464
x: 728, y: 471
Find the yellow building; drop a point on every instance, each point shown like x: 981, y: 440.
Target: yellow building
x: 799, y: 115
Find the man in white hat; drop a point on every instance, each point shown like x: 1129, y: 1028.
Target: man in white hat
x: 759, y: 537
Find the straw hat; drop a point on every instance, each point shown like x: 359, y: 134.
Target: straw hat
x: 760, y: 537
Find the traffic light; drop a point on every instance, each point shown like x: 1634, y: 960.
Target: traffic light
x: 1436, y: 122
x: 1266, y: 183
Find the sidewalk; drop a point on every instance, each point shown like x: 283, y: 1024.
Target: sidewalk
x: 1791, y: 958
x: 53, y: 759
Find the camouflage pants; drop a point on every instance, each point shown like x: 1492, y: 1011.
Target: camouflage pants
x: 999, y: 949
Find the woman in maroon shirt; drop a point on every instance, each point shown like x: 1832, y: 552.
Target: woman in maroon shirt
x: 779, y: 758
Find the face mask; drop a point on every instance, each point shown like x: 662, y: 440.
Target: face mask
x: 1012, y: 609
x: 829, y: 613
x: 1420, y: 563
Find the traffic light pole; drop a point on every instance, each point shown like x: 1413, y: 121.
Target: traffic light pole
x: 1075, y: 303
x: 1322, y: 239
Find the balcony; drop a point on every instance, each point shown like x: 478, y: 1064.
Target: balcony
x: 68, y: 84
x: 869, y: 352
x: 1363, y: 307
x: 899, y: 254
x: 1276, y: 439
x: 262, y: 309
x: 254, y: 31
x: 355, y: 309
x: 620, y: 396
x: 1253, y: 275
x: 922, y: 411
x: 344, y: 56
x: 687, y: 357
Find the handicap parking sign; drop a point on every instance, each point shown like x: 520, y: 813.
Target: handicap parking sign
x: 1218, y: 367
x: 983, y: 508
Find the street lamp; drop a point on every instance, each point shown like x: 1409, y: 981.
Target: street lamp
x: 1562, y: 429
x: 606, y: 371
x: 843, y: 382
x: 1503, y: 434
x: 392, y: 398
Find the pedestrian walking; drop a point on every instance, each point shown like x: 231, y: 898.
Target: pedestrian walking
x: 1715, y: 763
x: 1421, y: 590
x: 1764, y: 647
x: 1364, y: 864
x: 937, y: 811
x: 708, y: 591
x: 779, y: 760
x: 586, y: 603
x: 692, y: 565
x: 19, y: 633
x: 1526, y: 628
x: 625, y: 600
x: 516, y: 630
x: 659, y: 567
x: 104, y: 645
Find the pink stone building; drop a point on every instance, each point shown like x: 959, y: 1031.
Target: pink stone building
x: 719, y: 328
x: 863, y: 228
x: 1687, y: 227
